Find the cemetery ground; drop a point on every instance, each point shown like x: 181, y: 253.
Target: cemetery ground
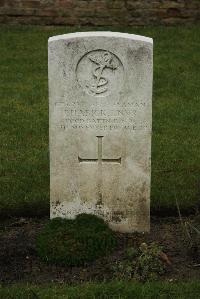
x: 23, y: 274
x: 24, y: 172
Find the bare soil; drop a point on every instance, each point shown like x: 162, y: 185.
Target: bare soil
x: 19, y: 261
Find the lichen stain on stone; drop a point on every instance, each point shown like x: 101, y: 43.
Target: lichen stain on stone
x: 55, y: 204
x: 117, y: 216
x: 142, y: 52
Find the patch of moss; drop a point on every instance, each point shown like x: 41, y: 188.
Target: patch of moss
x: 75, y: 242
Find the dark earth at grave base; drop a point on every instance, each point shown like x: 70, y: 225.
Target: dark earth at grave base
x: 19, y: 261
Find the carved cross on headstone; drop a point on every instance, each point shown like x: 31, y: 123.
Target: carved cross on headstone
x: 100, y: 160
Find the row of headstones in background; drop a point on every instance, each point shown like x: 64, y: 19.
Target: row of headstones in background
x: 100, y: 90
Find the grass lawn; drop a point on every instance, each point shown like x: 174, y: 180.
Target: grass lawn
x: 114, y: 290
x: 24, y: 168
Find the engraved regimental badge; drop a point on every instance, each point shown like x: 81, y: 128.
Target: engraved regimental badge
x: 99, y: 73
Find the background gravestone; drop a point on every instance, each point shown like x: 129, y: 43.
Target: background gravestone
x: 100, y: 89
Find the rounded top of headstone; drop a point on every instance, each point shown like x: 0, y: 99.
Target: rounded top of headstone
x: 101, y: 34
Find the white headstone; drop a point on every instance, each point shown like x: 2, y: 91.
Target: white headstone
x: 100, y: 89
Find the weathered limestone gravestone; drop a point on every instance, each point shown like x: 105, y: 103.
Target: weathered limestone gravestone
x: 100, y: 89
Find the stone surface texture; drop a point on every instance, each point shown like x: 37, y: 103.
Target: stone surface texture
x: 100, y: 89
x: 99, y: 12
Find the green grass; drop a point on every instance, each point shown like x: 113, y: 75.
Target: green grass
x: 24, y: 168
x: 114, y: 290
